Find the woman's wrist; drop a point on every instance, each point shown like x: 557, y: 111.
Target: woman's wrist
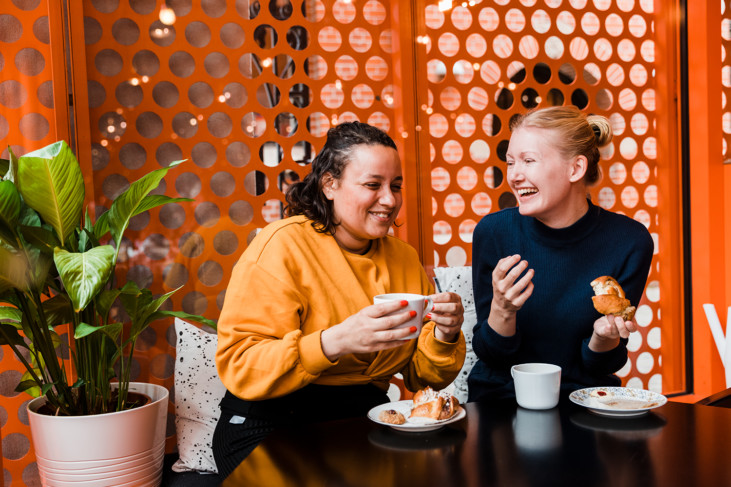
x: 502, y: 320
x: 329, y: 343
x: 444, y: 337
x: 599, y: 344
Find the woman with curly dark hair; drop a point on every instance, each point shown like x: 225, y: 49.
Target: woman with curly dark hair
x: 299, y: 339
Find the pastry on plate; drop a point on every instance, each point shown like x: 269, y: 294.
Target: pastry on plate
x: 391, y: 416
x: 431, y: 404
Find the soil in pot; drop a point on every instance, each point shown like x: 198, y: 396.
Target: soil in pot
x: 134, y: 400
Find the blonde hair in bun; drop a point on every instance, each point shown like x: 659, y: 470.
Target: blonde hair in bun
x: 576, y: 133
x: 602, y: 129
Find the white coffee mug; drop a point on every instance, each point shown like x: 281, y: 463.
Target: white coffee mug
x: 537, y: 386
x: 421, y: 304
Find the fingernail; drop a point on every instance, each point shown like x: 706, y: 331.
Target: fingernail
x: 426, y: 301
x: 412, y: 313
x: 404, y: 302
x: 428, y: 316
x: 412, y: 329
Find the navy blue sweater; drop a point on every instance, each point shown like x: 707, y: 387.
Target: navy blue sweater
x: 557, y: 321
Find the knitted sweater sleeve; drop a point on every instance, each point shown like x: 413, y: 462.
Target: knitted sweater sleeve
x: 632, y: 275
x: 489, y: 346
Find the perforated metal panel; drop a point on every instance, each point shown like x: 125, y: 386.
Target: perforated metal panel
x: 26, y: 123
x: 246, y: 91
x: 487, y: 62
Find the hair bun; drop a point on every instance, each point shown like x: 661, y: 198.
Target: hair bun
x: 602, y: 129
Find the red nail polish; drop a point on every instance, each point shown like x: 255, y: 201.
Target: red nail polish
x: 404, y: 302
x: 428, y: 316
x: 412, y: 329
x: 412, y: 313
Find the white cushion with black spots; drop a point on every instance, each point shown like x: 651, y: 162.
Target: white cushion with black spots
x: 198, y: 392
x: 459, y: 280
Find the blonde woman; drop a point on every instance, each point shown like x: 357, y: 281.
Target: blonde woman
x: 532, y: 265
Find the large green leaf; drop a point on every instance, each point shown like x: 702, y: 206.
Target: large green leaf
x: 129, y: 203
x: 10, y: 314
x: 51, y: 183
x: 101, y: 227
x: 84, y: 274
x: 57, y: 311
x: 9, y: 167
x: 13, y: 271
x: 41, y: 238
x: 112, y: 330
x: 4, y: 166
x: 105, y: 301
x: 9, y: 210
x: 9, y: 336
x: 160, y: 314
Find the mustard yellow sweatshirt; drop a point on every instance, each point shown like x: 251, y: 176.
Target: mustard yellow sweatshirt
x: 293, y: 282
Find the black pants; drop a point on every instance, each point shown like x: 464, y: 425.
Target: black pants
x: 233, y: 442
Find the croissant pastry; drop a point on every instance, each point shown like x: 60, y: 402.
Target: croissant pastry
x: 434, y: 405
x: 609, y: 298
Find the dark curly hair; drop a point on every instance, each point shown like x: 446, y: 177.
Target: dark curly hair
x: 306, y: 197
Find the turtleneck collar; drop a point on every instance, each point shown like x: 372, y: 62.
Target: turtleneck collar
x: 561, y: 236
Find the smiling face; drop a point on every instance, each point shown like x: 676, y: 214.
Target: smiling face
x: 367, y: 198
x: 547, y: 185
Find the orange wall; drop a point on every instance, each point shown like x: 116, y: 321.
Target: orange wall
x: 708, y: 199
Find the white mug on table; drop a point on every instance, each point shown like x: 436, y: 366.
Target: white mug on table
x: 537, y: 386
x: 416, y: 302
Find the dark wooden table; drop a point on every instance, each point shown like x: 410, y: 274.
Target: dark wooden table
x: 681, y: 445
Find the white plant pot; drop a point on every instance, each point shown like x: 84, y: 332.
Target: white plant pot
x: 115, y: 449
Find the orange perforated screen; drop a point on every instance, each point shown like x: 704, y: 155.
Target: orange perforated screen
x: 488, y: 61
x: 246, y: 90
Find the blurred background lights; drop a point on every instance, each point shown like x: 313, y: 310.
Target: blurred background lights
x: 167, y: 15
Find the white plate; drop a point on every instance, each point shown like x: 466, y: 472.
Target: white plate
x: 617, y: 401
x: 415, y: 425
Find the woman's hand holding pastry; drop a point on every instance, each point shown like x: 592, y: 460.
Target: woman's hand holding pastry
x: 447, y: 315
x: 608, y: 330
x: 369, y: 330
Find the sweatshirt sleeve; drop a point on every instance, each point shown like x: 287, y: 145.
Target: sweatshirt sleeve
x: 262, y: 352
x: 434, y: 363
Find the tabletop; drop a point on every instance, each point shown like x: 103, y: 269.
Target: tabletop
x: 504, y: 445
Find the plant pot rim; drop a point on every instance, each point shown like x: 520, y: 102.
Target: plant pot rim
x: 33, y: 405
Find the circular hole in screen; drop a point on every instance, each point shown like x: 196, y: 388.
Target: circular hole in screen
x: 502, y: 149
x: 271, y: 153
x: 265, y: 36
x: 542, y: 73
x: 281, y: 9
x: 567, y: 73
x: 300, y: 95
x: 504, y: 98
x: 554, y: 97
x: 506, y: 200
x: 298, y: 38
x: 579, y: 98
x: 529, y: 98
x: 268, y: 95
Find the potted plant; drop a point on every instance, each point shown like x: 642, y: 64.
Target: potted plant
x: 57, y: 268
